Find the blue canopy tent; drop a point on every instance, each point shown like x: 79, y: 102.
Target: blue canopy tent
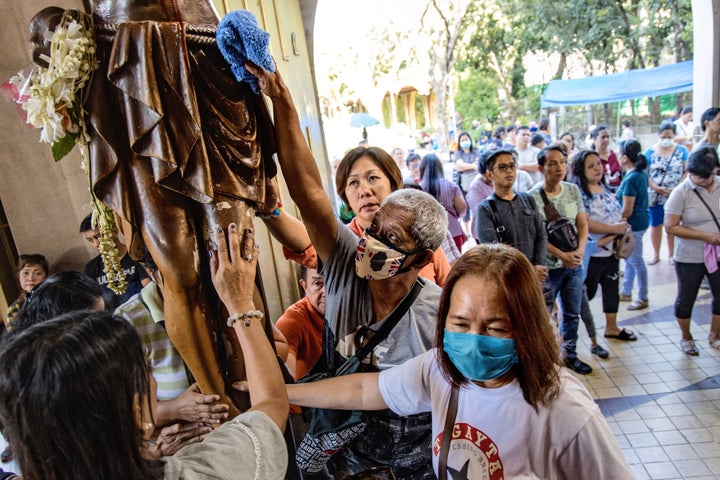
x: 617, y: 87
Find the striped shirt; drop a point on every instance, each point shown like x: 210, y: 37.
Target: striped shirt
x: 145, y: 311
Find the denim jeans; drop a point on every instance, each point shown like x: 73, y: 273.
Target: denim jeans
x: 568, y: 283
x: 635, y: 266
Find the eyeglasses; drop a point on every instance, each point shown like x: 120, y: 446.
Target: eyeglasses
x: 506, y: 166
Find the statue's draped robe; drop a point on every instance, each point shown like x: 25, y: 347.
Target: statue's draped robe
x: 178, y: 147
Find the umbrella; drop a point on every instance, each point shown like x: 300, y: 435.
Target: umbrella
x: 362, y: 119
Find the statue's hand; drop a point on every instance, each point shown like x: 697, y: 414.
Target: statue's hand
x: 271, y: 84
x: 193, y: 406
x: 233, y: 269
x: 172, y: 438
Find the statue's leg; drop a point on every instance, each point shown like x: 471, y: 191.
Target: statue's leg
x: 219, y: 215
x: 167, y: 222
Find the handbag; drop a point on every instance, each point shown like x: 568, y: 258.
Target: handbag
x: 332, y: 430
x: 624, y: 244
x: 561, y: 232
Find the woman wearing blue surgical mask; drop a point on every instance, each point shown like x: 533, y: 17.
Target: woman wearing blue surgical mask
x: 518, y: 413
x: 466, y: 160
x: 666, y: 167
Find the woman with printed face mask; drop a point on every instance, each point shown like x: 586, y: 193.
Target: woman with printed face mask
x: 518, y: 412
x: 401, y: 230
x: 666, y: 167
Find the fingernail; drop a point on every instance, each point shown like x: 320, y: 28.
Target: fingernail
x: 233, y: 226
x: 218, y: 230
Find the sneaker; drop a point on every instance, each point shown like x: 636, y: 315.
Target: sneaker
x: 638, y: 305
x: 625, y: 298
x: 599, y: 351
x: 578, y: 366
x: 653, y: 260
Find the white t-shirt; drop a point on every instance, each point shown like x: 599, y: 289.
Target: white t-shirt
x: 529, y: 157
x: 523, y: 182
x: 683, y: 130
x: 497, y: 434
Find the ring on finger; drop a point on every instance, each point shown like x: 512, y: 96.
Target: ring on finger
x: 249, y: 257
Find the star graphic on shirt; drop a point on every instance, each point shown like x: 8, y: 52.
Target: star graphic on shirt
x: 461, y: 474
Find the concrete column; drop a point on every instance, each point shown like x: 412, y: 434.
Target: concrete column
x: 706, y: 54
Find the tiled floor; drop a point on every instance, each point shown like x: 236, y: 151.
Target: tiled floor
x: 662, y: 405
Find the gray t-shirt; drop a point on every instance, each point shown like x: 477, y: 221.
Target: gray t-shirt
x: 693, y: 214
x: 401, y: 442
x: 349, y: 306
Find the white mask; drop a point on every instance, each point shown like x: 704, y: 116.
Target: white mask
x: 666, y: 142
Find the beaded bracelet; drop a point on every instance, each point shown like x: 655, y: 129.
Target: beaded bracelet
x: 274, y: 213
x: 245, y: 317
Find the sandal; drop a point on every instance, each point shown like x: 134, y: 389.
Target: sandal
x: 625, y: 335
x: 688, y: 347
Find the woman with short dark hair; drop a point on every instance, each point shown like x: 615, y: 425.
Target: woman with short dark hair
x: 692, y: 215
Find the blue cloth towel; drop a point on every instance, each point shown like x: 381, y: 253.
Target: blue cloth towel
x: 240, y: 39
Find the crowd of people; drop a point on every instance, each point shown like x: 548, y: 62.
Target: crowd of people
x: 473, y: 376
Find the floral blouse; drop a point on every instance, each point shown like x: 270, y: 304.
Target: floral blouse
x: 602, y: 208
x: 665, y: 172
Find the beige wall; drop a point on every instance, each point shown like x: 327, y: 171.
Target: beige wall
x: 45, y: 201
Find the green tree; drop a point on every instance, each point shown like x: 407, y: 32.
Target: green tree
x: 477, y: 97
x: 444, y: 21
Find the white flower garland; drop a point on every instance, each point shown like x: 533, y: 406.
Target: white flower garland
x: 52, y: 98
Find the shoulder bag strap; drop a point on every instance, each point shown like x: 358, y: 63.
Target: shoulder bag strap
x: 551, y: 213
x: 390, y: 322
x: 666, y: 165
x: 708, y: 207
x: 447, y: 433
x: 499, y: 229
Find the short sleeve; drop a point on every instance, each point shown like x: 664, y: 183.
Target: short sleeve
x: 404, y: 388
x: 594, y: 453
x: 675, y: 205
